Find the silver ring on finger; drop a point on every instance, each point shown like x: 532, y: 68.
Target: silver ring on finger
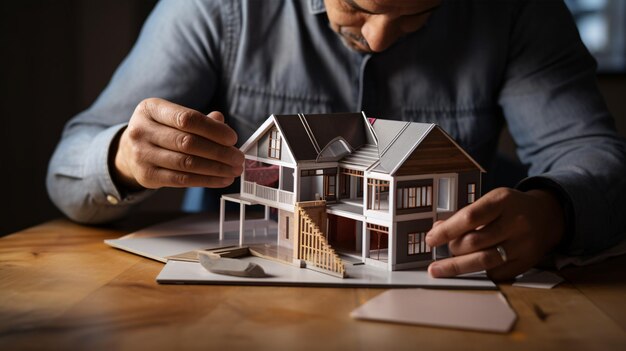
x: 502, y: 253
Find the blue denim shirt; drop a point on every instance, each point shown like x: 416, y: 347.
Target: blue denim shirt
x: 475, y: 66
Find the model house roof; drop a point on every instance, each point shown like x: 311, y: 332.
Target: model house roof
x: 384, y: 146
x: 308, y: 135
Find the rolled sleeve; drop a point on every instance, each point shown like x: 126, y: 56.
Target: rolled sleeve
x: 84, y: 190
x: 97, y: 174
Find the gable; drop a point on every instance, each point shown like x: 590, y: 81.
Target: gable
x: 263, y: 146
x: 436, y: 154
x: 258, y: 143
x: 296, y: 137
x: 401, y: 144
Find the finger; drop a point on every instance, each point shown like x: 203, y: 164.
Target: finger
x: 473, y: 262
x: 155, y: 177
x: 191, y: 144
x: 176, y: 161
x: 188, y: 120
x: 482, y: 212
x: 483, y: 238
x: 509, y: 270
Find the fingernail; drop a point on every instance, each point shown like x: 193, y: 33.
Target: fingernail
x: 429, y: 239
x: 435, y: 270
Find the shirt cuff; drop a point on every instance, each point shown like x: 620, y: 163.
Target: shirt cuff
x: 98, y: 175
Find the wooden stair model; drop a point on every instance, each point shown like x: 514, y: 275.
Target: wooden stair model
x: 311, y: 248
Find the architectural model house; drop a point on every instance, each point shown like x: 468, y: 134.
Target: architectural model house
x: 344, y: 183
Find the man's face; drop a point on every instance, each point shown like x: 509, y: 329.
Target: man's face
x: 374, y: 25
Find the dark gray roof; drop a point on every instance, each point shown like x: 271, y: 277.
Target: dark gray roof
x: 307, y: 135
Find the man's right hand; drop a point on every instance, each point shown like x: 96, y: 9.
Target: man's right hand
x: 168, y: 145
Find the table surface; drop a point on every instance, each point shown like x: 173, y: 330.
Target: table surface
x: 61, y: 287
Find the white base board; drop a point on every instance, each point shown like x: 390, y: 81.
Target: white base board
x: 179, y: 272
x: 197, y: 232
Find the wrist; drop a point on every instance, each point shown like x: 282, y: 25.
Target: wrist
x: 550, y: 185
x: 119, y: 170
x: 554, y: 211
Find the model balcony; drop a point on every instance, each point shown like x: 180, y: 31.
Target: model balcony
x: 268, y: 196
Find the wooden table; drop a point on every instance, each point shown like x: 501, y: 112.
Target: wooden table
x: 62, y: 288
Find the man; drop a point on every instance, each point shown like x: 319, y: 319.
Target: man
x: 467, y: 65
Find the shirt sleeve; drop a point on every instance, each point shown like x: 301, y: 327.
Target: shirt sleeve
x: 562, y: 127
x: 177, y: 58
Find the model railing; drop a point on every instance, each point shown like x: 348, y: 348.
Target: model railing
x: 267, y: 193
x: 313, y: 248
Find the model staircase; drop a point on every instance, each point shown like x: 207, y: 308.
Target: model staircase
x: 365, y: 156
x: 312, y: 248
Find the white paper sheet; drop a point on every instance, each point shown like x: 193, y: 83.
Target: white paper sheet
x: 450, y: 309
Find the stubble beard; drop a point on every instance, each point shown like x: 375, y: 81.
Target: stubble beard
x: 354, y: 41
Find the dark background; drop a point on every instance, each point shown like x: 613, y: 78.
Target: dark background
x: 55, y: 58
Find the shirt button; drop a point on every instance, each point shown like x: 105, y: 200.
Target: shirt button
x: 112, y: 199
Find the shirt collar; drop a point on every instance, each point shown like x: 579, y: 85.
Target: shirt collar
x: 316, y: 7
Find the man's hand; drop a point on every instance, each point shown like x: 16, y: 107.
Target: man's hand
x: 167, y: 145
x: 526, y: 224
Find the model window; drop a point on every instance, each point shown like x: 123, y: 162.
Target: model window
x: 329, y: 186
x: 378, y: 192
x: 381, y: 236
x: 444, y: 194
x: 358, y: 182
x: 359, y: 187
x: 344, y: 185
x: 414, y: 197
x: 471, y: 193
x: 274, y: 147
x: 417, y: 243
